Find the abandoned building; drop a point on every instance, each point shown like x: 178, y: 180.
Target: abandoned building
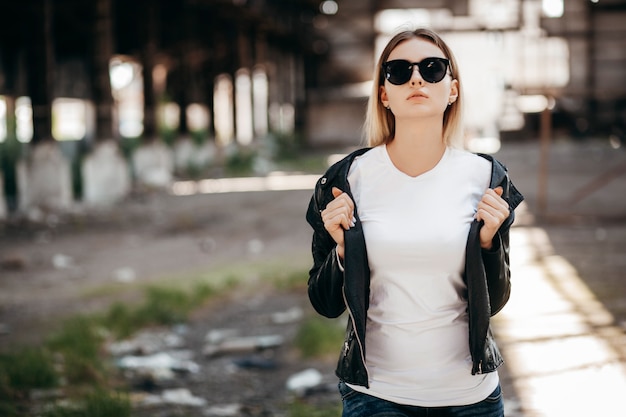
x: 97, y: 96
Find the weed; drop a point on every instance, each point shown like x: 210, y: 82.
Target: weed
x: 99, y: 403
x: 20, y: 372
x: 120, y: 320
x: 78, y: 336
x: 164, y: 306
x: 79, y: 342
x: 107, y: 404
x: 26, y: 369
x: 319, y: 336
x: 201, y: 292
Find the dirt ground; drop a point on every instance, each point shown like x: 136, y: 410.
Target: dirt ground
x: 81, y: 262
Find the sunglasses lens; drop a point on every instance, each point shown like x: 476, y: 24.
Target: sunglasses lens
x: 433, y: 70
x: 400, y: 71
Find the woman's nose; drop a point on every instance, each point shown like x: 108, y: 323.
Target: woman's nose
x: 416, y: 77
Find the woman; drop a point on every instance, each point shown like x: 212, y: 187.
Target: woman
x: 411, y: 236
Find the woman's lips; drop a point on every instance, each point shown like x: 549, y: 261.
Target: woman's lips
x: 417, y: 94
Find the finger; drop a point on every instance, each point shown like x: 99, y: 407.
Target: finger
x: 499, y: 190
x: 491, y: 205
x: 492, y: 220
x: 336, y: 221
x: 338, y: 215
x: 499, y: 210
x: 493, y: 199
x: 340, y: 205
x: 341, y: 200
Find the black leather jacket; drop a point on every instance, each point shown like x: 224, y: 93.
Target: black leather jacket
x: 332, y: 290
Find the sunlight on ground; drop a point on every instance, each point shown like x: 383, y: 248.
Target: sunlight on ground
x: 559, y: 341
x: 273, y: 182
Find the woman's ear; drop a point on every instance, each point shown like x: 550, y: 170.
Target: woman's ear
x: 454, y: 91
x: 383, y: 96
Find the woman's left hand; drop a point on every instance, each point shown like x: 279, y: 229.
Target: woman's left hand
x: 493, y: 211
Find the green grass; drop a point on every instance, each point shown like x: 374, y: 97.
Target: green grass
x: 20, y: 372
x: 319, y: 337
x: 99, y: 403
x: 26, y: 369
x: 79, y: 341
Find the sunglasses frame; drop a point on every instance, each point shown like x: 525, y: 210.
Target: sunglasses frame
x: 422, y: 67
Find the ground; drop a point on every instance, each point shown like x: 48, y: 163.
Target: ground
x: 67, y: 264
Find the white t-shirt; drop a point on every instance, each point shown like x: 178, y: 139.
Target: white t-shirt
x: 416, y: 228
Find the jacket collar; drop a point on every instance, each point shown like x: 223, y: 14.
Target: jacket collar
x: 499, y: 176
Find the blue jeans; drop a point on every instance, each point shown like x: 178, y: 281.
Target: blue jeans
x: 356, y: 404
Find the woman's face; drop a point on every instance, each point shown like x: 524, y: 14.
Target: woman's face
x: 418, y: 98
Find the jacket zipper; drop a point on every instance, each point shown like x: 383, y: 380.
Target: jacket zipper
x: 356, y: 333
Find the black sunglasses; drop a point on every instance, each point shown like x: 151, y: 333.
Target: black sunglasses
x: 399, y: 71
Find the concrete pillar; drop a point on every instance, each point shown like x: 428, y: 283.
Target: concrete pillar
x: 3, y: 203
x: 101, y: 85
x: 41, y: 68
x: 147, y: 56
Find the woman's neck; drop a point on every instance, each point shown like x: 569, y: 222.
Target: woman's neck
x: 417, y: 148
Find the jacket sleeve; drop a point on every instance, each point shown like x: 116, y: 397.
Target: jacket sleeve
x: 497, y: 270
x: 325, y: 277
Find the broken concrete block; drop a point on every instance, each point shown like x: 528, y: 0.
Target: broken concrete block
x: 153, y: 164
x: 44, y: 179
x: 106, y: 175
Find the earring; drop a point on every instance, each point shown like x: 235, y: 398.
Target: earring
x: 387, y: 107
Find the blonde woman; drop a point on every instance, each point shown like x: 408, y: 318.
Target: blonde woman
x: 411, y: 237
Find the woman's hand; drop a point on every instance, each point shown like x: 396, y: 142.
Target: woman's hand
x: 338, y: 216
x: 493, y: 211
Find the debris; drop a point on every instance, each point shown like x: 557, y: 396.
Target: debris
x: 292, y: 315
x: 160, y: 362
x: 300, y: 382
x: 243, y: 344
x: 124, y: 275
x: 252, y: 362
x: 13, y: 262
x: 218, y: 335
x: 182, y: 396
x: 61, y: 261
x: 176, y: 396
x: 223, y: 410
x: 146, y: 343
x: 255, y: 246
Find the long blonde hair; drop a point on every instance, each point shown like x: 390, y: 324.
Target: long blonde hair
x: 380, y: 123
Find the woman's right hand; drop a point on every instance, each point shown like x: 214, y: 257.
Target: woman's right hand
x: 338, y: 216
